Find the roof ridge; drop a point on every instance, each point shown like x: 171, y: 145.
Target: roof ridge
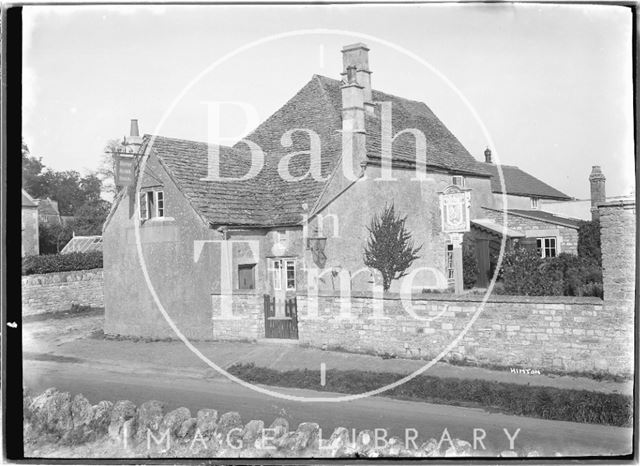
x: 147, y: 137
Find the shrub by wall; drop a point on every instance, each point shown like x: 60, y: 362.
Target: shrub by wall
x: 589, y: 243
x: 61, y: 262
x: 525, y: 273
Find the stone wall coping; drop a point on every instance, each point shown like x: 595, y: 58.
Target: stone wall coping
x: 475, y: 298
x: 618, y: 203
x: 53, y: 276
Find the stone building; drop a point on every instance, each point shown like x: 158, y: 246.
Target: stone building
x: 48, y: 212
x: 282, y: 224
x: 30, y: 233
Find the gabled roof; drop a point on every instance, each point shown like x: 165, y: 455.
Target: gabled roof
x: 28, y: 201
x: 269, y: 200
x: 520, y: 183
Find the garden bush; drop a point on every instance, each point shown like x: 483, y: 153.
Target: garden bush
x: 524, y: 272
x: 589, y: 241
x: 469, y: 265
x: 49, y: 263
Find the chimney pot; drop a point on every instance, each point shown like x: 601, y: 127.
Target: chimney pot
x: 134, y: 128
x: 487, y: 155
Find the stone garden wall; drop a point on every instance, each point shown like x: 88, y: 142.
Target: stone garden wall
x: 55, y: 292
x: 545, y: 333
x: 246, y: 321
x: 59, y: 425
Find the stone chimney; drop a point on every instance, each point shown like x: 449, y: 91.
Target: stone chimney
x: 487, y: 155
x: 357, y: 55
x: 353, y: 122
x: 598, y: 194
x: 133, y: 141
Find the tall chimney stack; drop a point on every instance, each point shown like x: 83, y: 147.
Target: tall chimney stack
x: 487, y: 155
x: 353, y: 121
x: 357, y: 55
x: 598, y: 194
x: 133, y: 141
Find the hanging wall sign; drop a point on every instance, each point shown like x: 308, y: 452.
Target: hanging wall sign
x: 455, y: 203
x: 124, y: 169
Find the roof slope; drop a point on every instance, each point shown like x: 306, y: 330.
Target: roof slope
x: 542, y: 216
x: 222, y: 202
x: 27, y: 201
x: 521, y: 183
x: 269, y: 200
x: 547, y: 217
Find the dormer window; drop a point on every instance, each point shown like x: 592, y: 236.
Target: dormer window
x: 151, y: 204
x: 534, y: 203
x: 458, y: 180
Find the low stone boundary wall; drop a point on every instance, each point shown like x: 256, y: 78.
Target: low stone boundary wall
x: 68, y: 426
x: 54, y: 292
x: 545, y: 333
x: 246, y: 321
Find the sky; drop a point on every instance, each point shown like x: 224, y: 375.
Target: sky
x: 552, y: 84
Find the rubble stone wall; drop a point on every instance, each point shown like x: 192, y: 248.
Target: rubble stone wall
x: 58, y: 424
x: 54, y: 292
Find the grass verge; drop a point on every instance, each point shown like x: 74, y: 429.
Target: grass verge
x: 74, y: 311
x: 522, y: 400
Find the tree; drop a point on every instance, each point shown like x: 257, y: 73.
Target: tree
x: 589, y: 241
x: 390, y: 247
x: 54, y: 236
x: 106, y: 170
x: 31, y: 169
x: 90, y: 217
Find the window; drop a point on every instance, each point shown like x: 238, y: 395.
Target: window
x: 534, y: 202
x: 458, y: 180
x: 277, y: 275
x: 151, y: 204
x: 546, y: 247
x: 450, y: 270
x: 159, y: 203
x: 246, y: 276
x: 291, y: 274
x: 144, y: 213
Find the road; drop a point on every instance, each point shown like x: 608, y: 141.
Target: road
x: 546, y: 437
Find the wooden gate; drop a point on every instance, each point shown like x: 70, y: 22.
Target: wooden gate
x: 285, y: 326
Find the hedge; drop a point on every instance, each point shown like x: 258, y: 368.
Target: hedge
x: 49, y: 263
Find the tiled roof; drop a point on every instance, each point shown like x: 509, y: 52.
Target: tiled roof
x: 83, y: 244
x: 521, y: 183
x: 543, y: 216
x: 27, y: 201
x: 547, y: 217
x: 495, y: 228
x: 268, y: 199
